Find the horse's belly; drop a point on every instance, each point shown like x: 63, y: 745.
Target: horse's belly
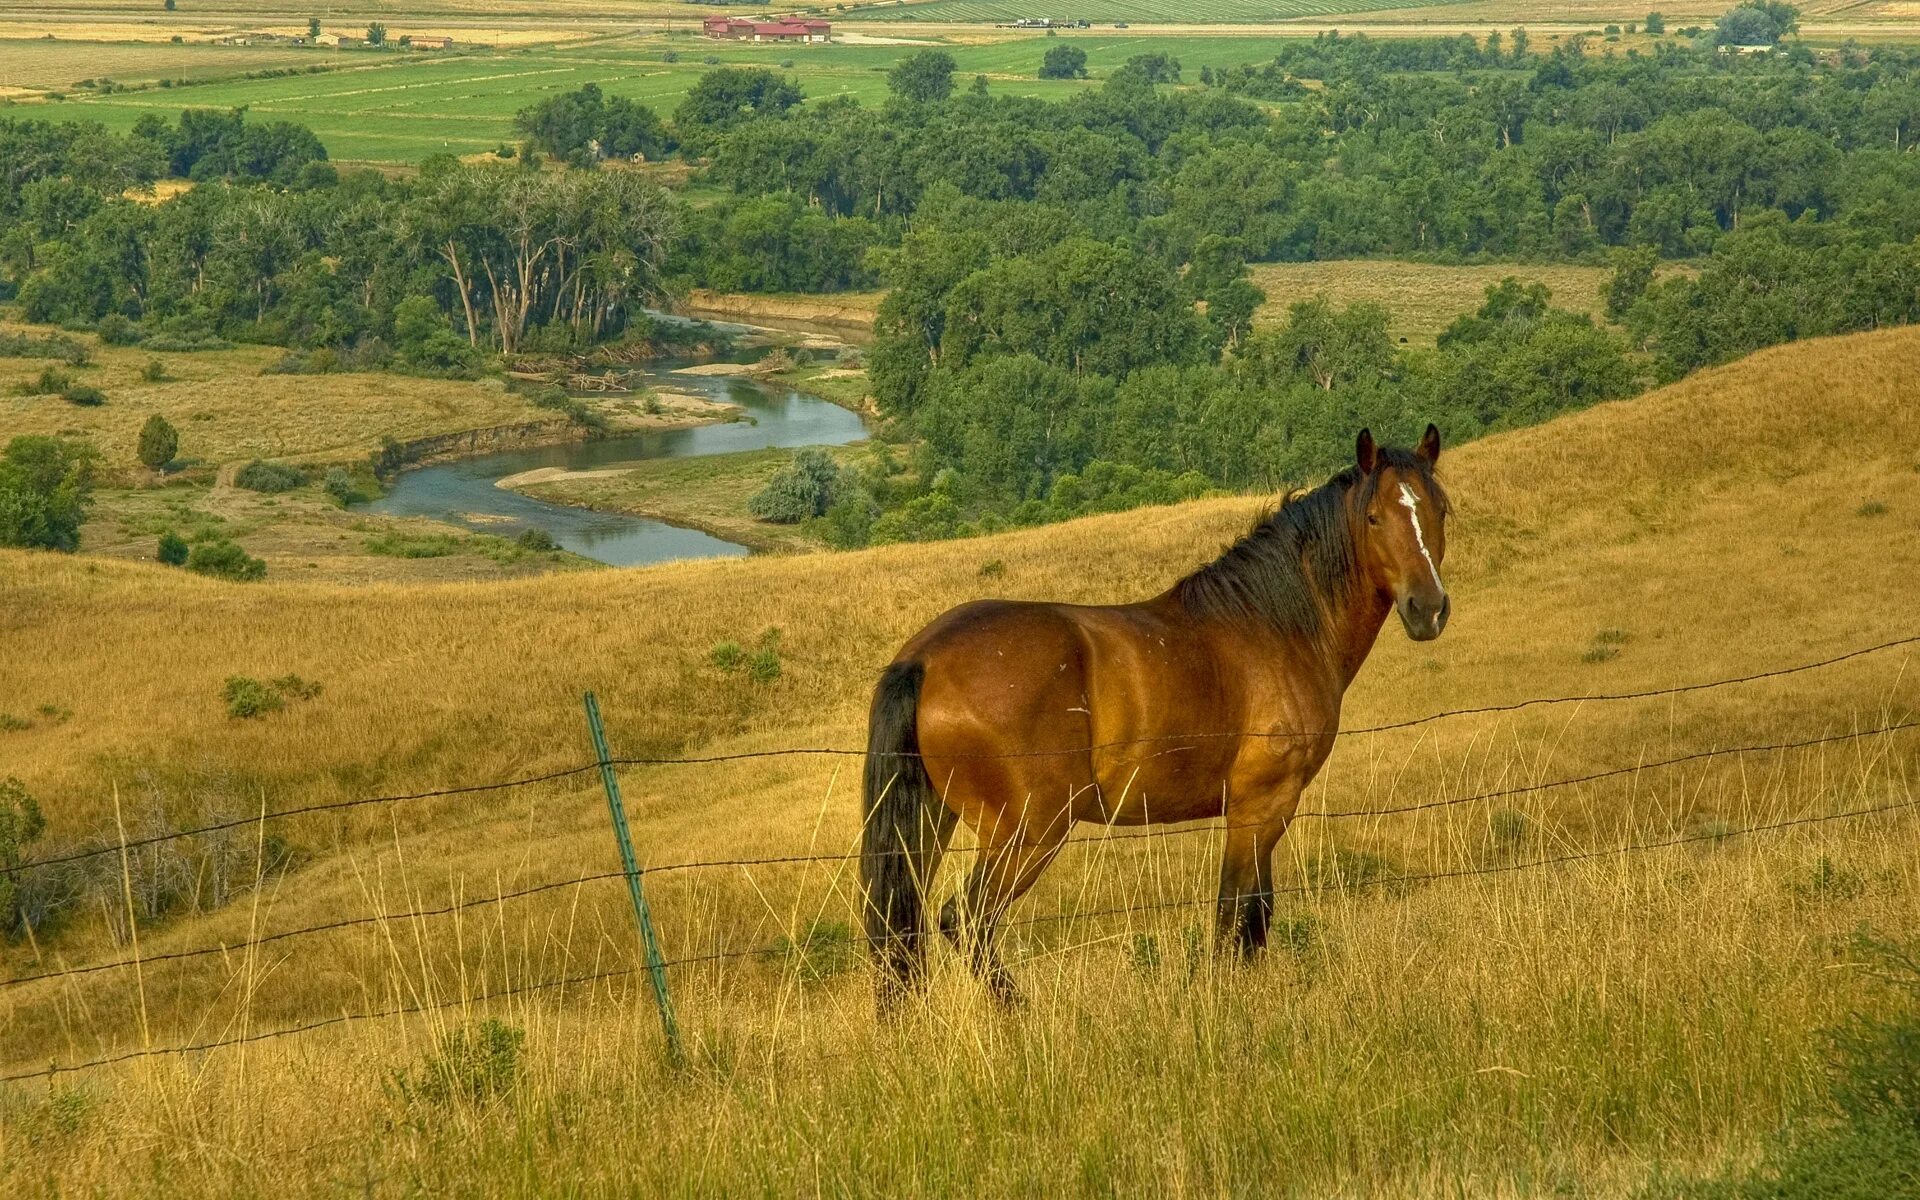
x: 1141, y: 791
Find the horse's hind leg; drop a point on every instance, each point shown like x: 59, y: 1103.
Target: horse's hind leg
x: 1002, y: 875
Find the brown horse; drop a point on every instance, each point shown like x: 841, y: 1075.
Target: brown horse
x: 1218, y: 697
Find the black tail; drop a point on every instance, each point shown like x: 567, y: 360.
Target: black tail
x: 906, y: 826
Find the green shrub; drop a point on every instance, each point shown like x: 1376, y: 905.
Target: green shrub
x: 173, y: 549
x: 537, y: 540
x: 339, y: 485
x: 801, y: 490
x: 225, y: 560
x: 155, y: 371
x: 84, y: 395
x: 159, y: 442
x: 52, y: 345
x: 475, y: 1064
x: 116, y: 330
x: 269, y: 477
x: 51, y: 381
x: 21, y: 824
x: 727, y: 655
x: 247, y: 698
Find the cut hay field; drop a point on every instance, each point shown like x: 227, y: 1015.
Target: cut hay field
x: 1565, y: 1029
x: 402, y: 109
x: 1421, y: 299
x: 38, y: 64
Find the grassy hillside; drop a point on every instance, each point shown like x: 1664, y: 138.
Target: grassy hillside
x: 1565, y: 1028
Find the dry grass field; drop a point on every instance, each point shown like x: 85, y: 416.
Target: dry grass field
x: 1563, y: 1029
x: 1421, y: 299
x: 228, y: 408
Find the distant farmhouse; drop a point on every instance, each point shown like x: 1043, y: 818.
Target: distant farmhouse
x: 734, y: 29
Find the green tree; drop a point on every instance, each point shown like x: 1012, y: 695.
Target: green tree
x: 1656, y: 23
x: 802, y: 489
x: 313, y: 27
x: 46, y: 486
x: 159, y: 442
x: 925, y: 78
x: 21, y: 824
x: 723, y: 99
x: 376, y: 34
x: 1064, y: 62
x: 172, y: 549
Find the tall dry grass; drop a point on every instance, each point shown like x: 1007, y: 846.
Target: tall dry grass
x: 1511, y: 1032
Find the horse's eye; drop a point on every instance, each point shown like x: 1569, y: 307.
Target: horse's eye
x: 1373, y: 518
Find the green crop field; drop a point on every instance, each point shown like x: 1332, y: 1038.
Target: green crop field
x: 1201, y: 12
x: 392, y: 108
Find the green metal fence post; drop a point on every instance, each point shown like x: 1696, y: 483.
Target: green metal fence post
x: 650, y: 944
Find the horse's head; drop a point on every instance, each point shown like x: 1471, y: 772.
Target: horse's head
x: 1402, y: 530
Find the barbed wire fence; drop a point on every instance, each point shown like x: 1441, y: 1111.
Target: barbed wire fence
x: 656, y: 964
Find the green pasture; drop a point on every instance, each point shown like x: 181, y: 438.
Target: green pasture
x: 1105, y: 11
x: 394, y: 108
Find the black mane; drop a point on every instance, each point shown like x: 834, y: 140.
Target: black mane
x: 1295, y: 561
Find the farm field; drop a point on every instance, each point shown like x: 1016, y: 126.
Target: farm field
x: 1208, y: 11
x: 38, y: 65
x: 1421, y: 299
x: 393, y: 109
x: 1563, y: 1028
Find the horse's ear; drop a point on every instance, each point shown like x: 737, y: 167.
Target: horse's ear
x: 1429, y: 447
x: 1366, y: 455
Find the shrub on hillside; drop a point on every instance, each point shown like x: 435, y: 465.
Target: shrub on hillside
x: 475, y: 1064
x: 21, y: 824
x: 51, y: 381
x: 52, y: 345
x: 155, y: 371
x: 84, y: 395
x: 172, y: 550
x: 269, y: 477
x: 159, y: 442
x: 247, y: 697
x: 225, y: 560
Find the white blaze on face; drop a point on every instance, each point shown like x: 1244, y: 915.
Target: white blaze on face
x: 1412, y: 503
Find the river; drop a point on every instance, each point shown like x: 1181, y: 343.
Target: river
x: 463, y: 492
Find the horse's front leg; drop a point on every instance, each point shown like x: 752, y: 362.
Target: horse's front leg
x: 1245, y: 907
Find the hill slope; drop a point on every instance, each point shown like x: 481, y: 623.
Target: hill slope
x: 1750, y: 517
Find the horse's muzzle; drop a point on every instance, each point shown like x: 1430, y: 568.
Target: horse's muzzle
x: 1425, y: 621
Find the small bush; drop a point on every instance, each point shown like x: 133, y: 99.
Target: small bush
x: 84, y: 395
x: 340, y: 486
x: 727, y: 655
x: 269, y: 477
x: 53, y: 345
x: 247, y: 698
x: 51, y: 381
x: 155, y: 371
x: 1872, y: 508
x: 173, y: 550
x: 478, y: 1063
x: 21, y: 824
x: 116, y: 330
x: 225, y: 560
x: 537, y: 540
x: 993, y: 568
